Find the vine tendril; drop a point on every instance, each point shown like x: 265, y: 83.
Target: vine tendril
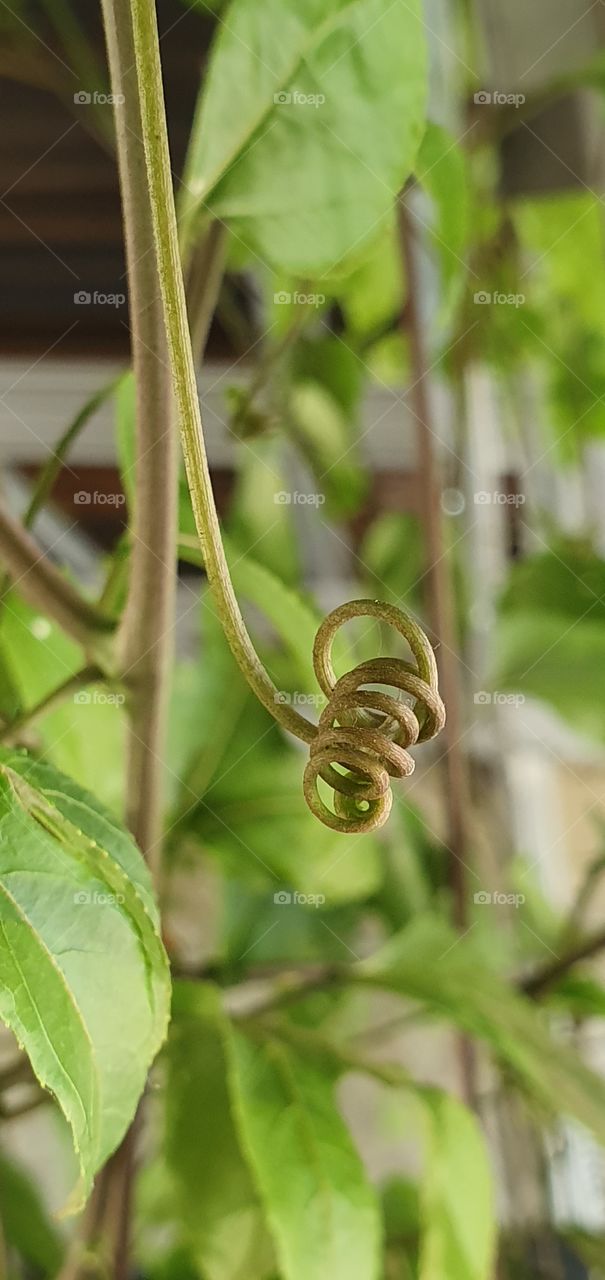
x: 363, y: 735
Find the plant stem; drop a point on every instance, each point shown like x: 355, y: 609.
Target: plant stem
x: 88, y: 675
x: 441, y: 604
x: 145, y: 640
x: 203, y: 284
x: 45, y: 587
x: 183, y: 371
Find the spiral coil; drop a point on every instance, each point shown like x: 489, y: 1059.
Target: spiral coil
x: 366, y: 733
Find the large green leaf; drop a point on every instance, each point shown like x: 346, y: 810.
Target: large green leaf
x: 84, y: 980
x: 321, y: 1208
x: 457, y: 977
x: 457, y: 1203
x: 216, y: 1196
x: 305, y: 181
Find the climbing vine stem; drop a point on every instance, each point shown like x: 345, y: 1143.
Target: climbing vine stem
x: 363, y: 736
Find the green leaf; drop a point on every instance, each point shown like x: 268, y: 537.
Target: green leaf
x: 78, y: 929
x: 441, y: 170
x: 25, y: 1223
x: 294, y: 620
x: 325, y: 438
x: 457, y: 1200
x: 257, y: 821
x: 456, y: 976
x: 306, y: 181
x: 260, y: 521
x: 320, y: 1205
x: 373, y: 294
x: 551, y: 623
x: 85, y: 735
x: 228, y: 1237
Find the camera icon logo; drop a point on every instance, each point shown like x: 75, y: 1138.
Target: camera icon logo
x: 483, y: 498
x: 282, y: 298
x: 282, y: 498
x: 482, y: 898
x: 82, y: 299
x: 82, y: 498
x: 81, y: 898
x: 83, y: 698
x: 282, y: 898
x: 82, y: 98
x: 482, y: 98
x: 482, y: 698
x: 282, y: 99
x: 482, y: 298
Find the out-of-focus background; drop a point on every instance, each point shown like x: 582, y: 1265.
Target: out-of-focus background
x: 481, y: 509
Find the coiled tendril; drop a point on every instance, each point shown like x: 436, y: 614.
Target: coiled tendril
x: 363, y: 736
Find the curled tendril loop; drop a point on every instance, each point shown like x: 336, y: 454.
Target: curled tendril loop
x: 363, y: 735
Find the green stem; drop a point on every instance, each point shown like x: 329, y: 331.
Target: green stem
x: 183, y: 370
x: 45, y: 587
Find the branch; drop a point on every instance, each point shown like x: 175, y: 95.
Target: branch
x: 88, y: 675
x: 539, y: 983
x: 203, y: 284
x: 146, y: 634
x: 441, y: 604
x: 46, y: 588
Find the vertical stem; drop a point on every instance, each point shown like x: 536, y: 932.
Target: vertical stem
x: 145, y: 640
x: 147, y: 629
x: 440, y: 602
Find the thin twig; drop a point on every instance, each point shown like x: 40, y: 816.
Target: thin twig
x: 440, y: 602
x: 88, y: 675
x: 539, y: 983
x: 46, y: 588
